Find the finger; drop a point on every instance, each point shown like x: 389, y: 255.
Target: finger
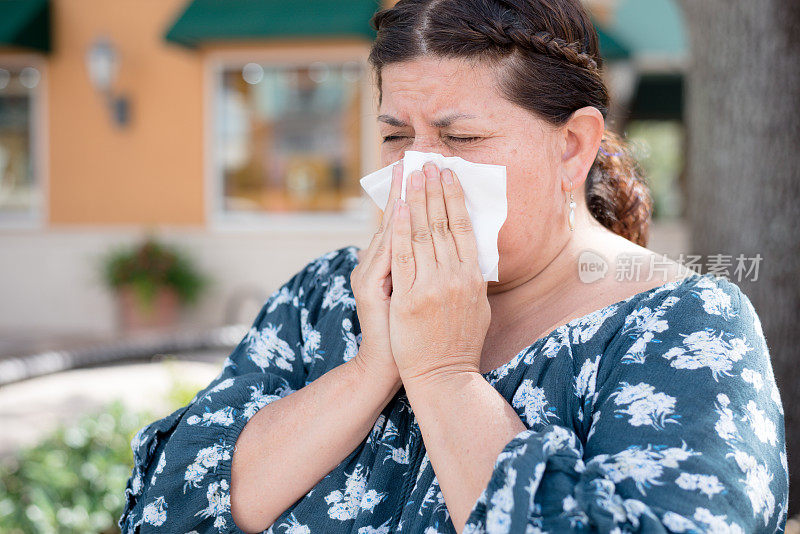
x: 394, y: 190
x: 403, y: 260
x: 381, y: 263
x: 421, y: 240
x: 458, y: 217
x: 394, y: 193
x: 444, y: 246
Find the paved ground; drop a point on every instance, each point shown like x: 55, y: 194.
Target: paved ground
x: 32, y: 408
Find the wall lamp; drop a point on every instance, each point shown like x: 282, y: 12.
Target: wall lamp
x: 102, y: 62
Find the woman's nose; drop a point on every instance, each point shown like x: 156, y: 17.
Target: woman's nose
x: 430, y: 145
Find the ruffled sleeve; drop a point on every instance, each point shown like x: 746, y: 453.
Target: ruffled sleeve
x: 181, y: 475
x: 686, y: 432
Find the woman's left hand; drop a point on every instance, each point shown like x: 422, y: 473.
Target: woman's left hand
x: 439, y: 312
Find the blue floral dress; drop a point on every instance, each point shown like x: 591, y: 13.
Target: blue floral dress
x: 658, y: 413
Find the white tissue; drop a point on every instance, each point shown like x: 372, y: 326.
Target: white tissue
x: 484, y: 188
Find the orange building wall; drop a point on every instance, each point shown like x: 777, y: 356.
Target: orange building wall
x: 150, y: 171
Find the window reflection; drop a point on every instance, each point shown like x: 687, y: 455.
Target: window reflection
x: 289, y: 137
x: 18, y: 188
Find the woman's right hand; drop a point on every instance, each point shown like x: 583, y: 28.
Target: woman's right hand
x: 372, y: 287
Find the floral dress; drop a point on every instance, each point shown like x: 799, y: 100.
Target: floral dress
x: 658, y: 413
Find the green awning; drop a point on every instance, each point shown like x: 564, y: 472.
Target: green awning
x: 610, y: 46
x: 224, y: 20
x: 652, y: 27
x: 658, y: 97
x: 25, y: 23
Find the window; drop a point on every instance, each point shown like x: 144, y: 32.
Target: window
x: 20, y: 183
x: 287, y: 138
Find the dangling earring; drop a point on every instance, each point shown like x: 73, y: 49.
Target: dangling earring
x: 571, y: 215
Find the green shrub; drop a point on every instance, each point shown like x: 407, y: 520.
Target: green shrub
x: 151, y: 265
x: 73, y: 481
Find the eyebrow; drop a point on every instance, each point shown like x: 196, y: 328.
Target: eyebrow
x: 442, y: 122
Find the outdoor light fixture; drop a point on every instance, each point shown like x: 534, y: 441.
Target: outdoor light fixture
x: 102, y: 62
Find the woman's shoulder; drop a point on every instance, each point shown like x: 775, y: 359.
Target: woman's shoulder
x: 326, y: 273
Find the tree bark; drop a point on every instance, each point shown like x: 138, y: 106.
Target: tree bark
x: 743, y: 123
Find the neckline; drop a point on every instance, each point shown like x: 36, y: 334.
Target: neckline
x: 641, y: 295
x: 693, y: 276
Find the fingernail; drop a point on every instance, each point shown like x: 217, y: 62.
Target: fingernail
x: 430, y: 169
x: 447, y: 176
x: 416, y: 180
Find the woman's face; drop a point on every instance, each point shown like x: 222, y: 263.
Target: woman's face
x: 455, y: 108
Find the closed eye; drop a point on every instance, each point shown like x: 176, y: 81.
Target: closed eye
x: 463, y: 139
x: 390, y: 138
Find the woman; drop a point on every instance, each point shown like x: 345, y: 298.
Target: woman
x: 391, y: 389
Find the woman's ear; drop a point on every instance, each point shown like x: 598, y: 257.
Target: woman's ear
x: 582, y: 133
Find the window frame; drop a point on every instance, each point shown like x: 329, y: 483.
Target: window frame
x: 38, y: 138
x: 288, y: 54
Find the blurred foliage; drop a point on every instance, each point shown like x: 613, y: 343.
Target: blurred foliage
x: 151, y: 265
x: 658, y: 146
x: 73, y: 481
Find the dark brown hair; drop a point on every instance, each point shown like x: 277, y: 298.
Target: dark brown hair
x: 550, y: 64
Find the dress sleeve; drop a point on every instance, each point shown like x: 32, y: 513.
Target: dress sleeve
x: 686, y: 433
x: 180, y: 480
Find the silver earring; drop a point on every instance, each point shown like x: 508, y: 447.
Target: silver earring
x: 571, y: 215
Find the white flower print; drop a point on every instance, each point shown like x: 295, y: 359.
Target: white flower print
x: 763, y: 427
x: 577, y: 517
x: 716, y: 301
x: 155, y: 513
x: 281, y: 296
x: 498, y: 516
x: 584, y: 328
x: 345, y: 504
x: 266, y: 348
x: 434, y: 496
x: 643, y: 324
x: 706, y: 484
x: 678, y: 523
x: 725, y: 426
x: 337, y: 294
x: 716, y: 524
x: 585, y: 385
x: 371, y: 499
x: 531, y: 399
x: 645, y: 405
x: 552, y: 346
x: 558, y: 438
x: 162, y: 463
x: 383, y: 529
x: 753, y: 378
x: 643, y: 466
x: 705, y: 349
x: 222, y: 417
x: 311, y: 339
x: 207, y: 459
x: 259, y: 399
x: 225, y: 384
x: 219, y: 502
x: 350, y: 341
x: 757, y: 479
x: 398, y: 454
x: 775, y: 395
x: 293, y: 526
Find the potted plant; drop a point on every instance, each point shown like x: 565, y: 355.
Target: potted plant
x: 152, y: 281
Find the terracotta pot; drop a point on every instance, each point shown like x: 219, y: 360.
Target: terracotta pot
x: 134, y: 316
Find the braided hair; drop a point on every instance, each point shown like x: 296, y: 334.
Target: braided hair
x: 548, y: 55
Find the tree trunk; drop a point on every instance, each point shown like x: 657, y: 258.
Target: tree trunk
x: 743, y: 123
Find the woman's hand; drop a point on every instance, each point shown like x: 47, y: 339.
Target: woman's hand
x: 372, y: 288
x: 439, y: 311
